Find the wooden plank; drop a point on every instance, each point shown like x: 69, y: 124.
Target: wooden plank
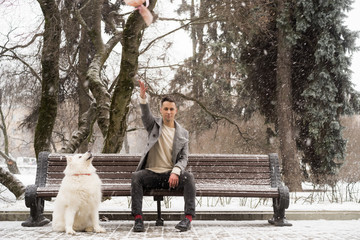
x: 102, y: 157
x: 253, y: 182
x: 226, y: 182
x: 200, y: 175
x: 231, y: 156
x: 218, y: 169
x: 203, y: 187
x: 115, y: 168
x: 203, y: 190
x: 235, y: 160
x: 240, y: 164
x: 51, y: 182
x: 197, y: 175
x: 192, y: 157
x: 108, y: 175
x: 198, y: 182
x: 199, y: 168
x: 99, y: 163
x: 227, y: 169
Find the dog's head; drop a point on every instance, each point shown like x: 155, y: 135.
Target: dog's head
x: 79, y: 164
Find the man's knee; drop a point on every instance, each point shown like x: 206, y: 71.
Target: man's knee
x: 136, y: 177
x: 188, y: 177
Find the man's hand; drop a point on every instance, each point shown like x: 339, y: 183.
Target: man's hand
x: 142, y: 89
x: 173, y: 180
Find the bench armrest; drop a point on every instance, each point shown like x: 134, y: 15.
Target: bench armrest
x: 41, y: 171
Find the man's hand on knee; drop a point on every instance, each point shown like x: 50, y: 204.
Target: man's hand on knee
x: 173, y: 180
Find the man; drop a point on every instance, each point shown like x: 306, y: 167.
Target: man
x: 163, y: 162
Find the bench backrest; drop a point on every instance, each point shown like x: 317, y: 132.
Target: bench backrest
x: 117, y: 168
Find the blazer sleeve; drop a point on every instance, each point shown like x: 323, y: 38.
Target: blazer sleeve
x: 147, y: 117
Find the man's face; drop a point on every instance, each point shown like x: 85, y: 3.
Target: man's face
x: 168, y: 111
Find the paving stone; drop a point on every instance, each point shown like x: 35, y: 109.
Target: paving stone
x: 252, y: 230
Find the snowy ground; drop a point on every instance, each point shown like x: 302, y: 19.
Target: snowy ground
x: 202, y: 230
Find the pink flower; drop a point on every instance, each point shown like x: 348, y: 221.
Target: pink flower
x: 134, y: 3
x: 143, y: 10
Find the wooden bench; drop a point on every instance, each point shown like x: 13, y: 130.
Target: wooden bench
x: 216, y: 175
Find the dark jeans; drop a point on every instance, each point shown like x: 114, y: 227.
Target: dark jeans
x: 146, y: 179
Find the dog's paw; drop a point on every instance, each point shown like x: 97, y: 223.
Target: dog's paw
x: 70, y: 231
x: 99, y: 229
x: 89, y: 229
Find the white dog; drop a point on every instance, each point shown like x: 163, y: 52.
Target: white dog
x: 76, y: 206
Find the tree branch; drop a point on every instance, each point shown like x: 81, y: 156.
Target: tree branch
x: 10, y: 162
x: 165, y: 66
x: 11, y: 183
x: 109, y: 46
x: 216, y: 117
x: 21, y: 46
x: 84, y: 5
x: 32, y: 70
x: 195, y: 21
x: 80, y: 18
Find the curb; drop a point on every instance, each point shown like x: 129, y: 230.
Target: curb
x: 205, y: 215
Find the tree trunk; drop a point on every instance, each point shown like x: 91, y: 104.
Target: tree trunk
x: 11, y: 183
x: 199, y: 48
x: 97, y: 86
x: 290, y: 162
x: 11, y: 164
x: 86, y: 54
x: 119, y: 108
x: 50, y: 76
x: 102, y: 52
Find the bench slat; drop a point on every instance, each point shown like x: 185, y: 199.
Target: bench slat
x: 193, y: 159
x: 244, y: 169
x: 228, y: 182
x: 61, y: 165
x: 197, y: 175
x: 201, y: 190
x: 131, y: 157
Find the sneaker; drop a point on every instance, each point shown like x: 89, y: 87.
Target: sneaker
x: 139, y: 225
x: 183, y: 225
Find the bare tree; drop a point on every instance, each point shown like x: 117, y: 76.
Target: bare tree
x: 50, y: 76
x: 11, y: 163
x: 7, y: 178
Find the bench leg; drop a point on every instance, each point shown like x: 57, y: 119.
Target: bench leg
x: 36, y: 205
x: 159, y: 220
x: 279, y: 205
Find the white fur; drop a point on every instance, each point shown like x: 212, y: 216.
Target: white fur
x: 77, y: 203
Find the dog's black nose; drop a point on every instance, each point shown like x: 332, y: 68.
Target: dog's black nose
x: 90, y: 155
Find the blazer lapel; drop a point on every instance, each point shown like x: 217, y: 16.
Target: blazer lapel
x: 179, y: 141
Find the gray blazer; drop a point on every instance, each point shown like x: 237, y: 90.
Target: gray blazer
x: 153, y: 126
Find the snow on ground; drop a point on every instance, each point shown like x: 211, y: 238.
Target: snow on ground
x: 346, y: 198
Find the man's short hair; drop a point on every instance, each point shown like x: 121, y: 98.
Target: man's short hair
x: 167, y: 99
